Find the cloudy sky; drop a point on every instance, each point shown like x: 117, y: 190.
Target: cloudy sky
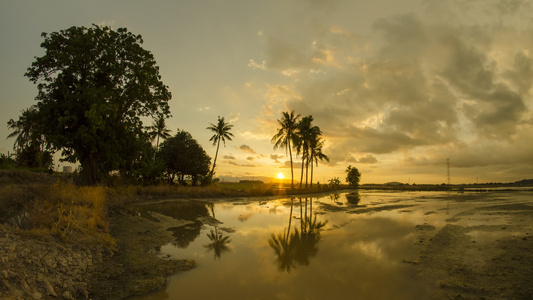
x: 397, y: 86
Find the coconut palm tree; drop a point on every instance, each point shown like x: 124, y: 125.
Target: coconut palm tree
x: 25, y: 129
x: 286, y: 135
x: 222, y: 132
x: 159, y: 130
x: 306, y: 134
x: 316, y: 153
x: 30, y: 143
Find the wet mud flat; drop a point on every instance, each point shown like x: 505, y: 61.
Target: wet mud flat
x: 482, y: 252
x: 472, y: 245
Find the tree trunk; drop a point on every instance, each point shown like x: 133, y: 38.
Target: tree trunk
x: 215, y: 160
x: 88, y: 172
x: 292, y: 172
x: 306, y: 171
x: 311, y: 184
x: 302, y: 173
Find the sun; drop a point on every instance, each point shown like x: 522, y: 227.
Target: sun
x: 280, y: 175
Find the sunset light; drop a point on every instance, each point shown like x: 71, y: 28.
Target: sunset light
x: 301, y: 149
x: 409, y: 91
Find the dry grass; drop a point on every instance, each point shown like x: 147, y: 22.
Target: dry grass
x: 70, y: 213
x: 46, y: 205
x: 122, y: 194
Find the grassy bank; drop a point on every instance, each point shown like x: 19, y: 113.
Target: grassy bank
x: 218, y: 190
x: 63, y: 211
x: 49, y: 204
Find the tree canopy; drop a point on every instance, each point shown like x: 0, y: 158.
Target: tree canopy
x: 353, y: 176
x: 285, y: 137
x: 30, y: 147
x: 183, y: 156
x: 94, y: 86
x: 221, y: 132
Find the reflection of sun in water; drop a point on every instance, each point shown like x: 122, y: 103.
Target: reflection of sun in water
x: 280, y: 175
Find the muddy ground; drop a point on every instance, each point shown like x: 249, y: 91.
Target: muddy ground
x: 484, y: 251
x: 136, y: 268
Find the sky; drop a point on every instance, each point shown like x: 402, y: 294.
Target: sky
x: 398, y: 87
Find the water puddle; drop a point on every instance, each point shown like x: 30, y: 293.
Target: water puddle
x: 338, y: 246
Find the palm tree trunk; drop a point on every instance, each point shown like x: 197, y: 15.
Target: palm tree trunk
x: 312, y: 163
x: 292, y: 172
x: 302, y: 173
x: 306, y: 171
x: 215, y: 160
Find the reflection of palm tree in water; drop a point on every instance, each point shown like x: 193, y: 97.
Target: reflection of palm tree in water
x: 283, y: 247
x: 300, y: 245
x: 219, y: 242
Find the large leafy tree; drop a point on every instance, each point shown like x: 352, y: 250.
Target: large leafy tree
x: 285, y: 137
x: 183, y: 156
x: 353, y: 176
x: 221, y: 132
x: 95, y: 84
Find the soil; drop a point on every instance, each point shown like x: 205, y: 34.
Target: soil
x: 137, y: 268
x: 34, y: 267
x: 482, y: 253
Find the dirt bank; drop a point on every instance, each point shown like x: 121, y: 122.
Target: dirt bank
x: 37, y: 267
x: 136, y: 268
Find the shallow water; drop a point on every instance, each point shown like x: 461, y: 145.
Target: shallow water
x: 336, y: 246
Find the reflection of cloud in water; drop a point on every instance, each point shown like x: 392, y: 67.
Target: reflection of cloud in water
x: 245, y: 217
x: 370, y: 249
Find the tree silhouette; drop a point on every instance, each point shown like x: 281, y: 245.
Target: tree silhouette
x: 286, y: 135
x: 182, y: 156
x: 29, y: 143
x: 222, y: 132
x: 95, y: 85
x: 316, y: 153
x: 159, y: 130
x: 306, y: 133
x: 25, y: 129
x: 353, y: 176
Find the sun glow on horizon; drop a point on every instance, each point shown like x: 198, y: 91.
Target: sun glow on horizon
x: 280, y: 175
